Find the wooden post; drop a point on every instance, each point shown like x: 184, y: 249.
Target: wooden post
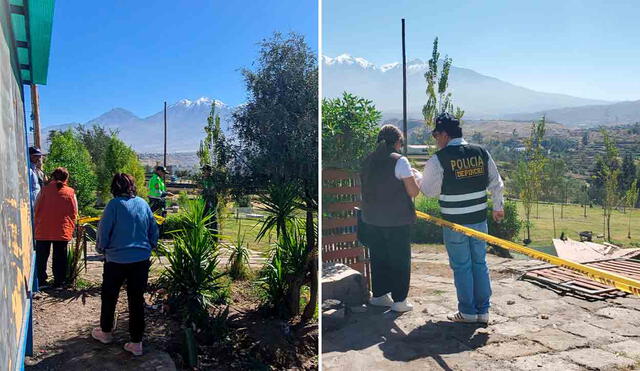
x: 404, y: 92
x: 165, y: 135
x: 35, y: 111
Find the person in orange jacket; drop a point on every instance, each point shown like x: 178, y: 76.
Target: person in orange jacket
x: 56, y: 212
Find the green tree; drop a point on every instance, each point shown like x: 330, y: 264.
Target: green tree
x: 628, y: 172
x: 214, y: 154
x: 120, y: 158
x: 530, y: 171
x: 631, y: 198
x: 96, y: 139
x: 439, y: 100
x: 66, y: 150
x: 349, y: 131
x: 278, y: 131
x: 610, y: 175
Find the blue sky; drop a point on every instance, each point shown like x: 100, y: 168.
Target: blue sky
x: 137, y: 54
x: 582, y: 48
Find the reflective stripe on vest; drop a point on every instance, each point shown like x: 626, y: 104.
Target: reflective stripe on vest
x: 463, y: 210
x: 463, y: 197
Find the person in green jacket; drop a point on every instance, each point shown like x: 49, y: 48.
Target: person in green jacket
x: 158, y: 190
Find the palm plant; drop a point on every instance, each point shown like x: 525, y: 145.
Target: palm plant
x: 192, y: 276
x: 75, y: 263
x: 278, y: 278
x: 239, y: 268
x: 280, y: 204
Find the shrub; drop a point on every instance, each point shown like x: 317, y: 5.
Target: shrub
x: 349, y: 131
x: 91, y: 211
x: 183, y: 199
x: 172, y: 223
x: 75, y: 263
x: 239, y: 258
x: 287, y: 261
x: 423, y: 231
x: 192, y: 276
x: 67, y: 150
x: 509, y: 227
x: 120, y: 158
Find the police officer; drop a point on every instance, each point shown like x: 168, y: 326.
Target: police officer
x: 460, y: 175
x: 157, y: 189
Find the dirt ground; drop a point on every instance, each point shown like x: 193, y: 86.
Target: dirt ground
x: 63, y: 320
x: 531, y: 327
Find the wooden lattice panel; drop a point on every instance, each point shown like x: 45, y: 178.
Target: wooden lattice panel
x: 340, y: 197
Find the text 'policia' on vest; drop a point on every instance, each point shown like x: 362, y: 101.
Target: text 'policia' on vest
x: 463, y: 198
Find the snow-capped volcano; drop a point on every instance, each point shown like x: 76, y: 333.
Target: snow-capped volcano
x: 185, y: 122
x: 202, y: 101
x: 481, y: 96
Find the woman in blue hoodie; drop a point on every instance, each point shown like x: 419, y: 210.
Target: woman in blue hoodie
x: 126, y: 235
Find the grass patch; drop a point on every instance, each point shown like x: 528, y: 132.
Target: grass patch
x: 83, y: 284
x: 249, y: 228
x: 574, y: 222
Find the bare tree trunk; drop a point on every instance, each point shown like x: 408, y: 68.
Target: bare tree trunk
x: 609, y: 227
x: 553, y: 215
x: 312, y: 260
x: 310, y: 309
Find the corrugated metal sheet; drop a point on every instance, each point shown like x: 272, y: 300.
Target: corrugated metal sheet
x: 32, y: 23
x: 566, y: 280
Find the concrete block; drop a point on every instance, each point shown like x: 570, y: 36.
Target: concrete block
x: 343, y: 283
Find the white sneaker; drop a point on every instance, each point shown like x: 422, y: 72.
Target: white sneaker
x: 401, y: 306
x: 382, y: 301
x: 134, y: 348
x: 483, y: 318
x: 461, y: 317
x: 101, y: 336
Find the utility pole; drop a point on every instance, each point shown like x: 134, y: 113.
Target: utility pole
x: 404, y: 92
x: 164, y: 163
x: 35, y: 112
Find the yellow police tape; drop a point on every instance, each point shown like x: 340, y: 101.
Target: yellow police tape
x: 621, y: 283
x: 86, y: 220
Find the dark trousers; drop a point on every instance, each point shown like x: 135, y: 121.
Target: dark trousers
x: 114, y: 275
x: 390, y: 252
x: 157, y: 203
x: 43, y: 249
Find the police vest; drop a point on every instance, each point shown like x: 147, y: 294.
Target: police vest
x: 463, y: 196
x: 156, y: 187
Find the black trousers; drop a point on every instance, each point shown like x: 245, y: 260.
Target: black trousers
x: 390, y: 252
x: 43, y: 249
x: 113, y: 276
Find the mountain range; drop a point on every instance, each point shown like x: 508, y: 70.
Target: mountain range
x: 185, y: 125
x: 588, y: 116
x: 480, y: 96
